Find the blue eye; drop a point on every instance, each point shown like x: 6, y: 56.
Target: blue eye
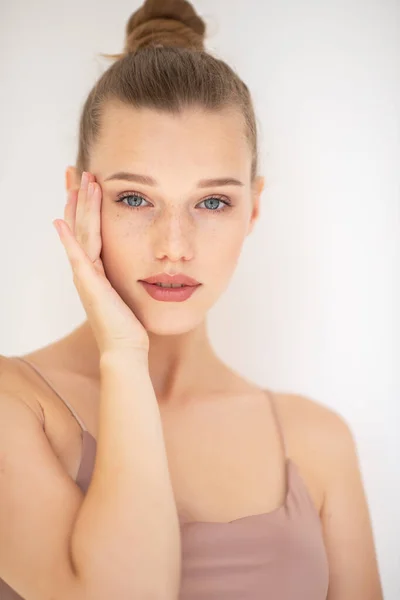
x: 131, y: 195
x: 215, y: 201
x: 224, y: 203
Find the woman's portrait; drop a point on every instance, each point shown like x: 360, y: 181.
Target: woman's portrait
x: 199, y: 241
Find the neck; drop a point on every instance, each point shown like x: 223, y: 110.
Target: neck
x: 179, y: 366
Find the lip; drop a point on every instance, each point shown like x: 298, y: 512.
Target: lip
x: 169, y: 294
x: 178, y: 278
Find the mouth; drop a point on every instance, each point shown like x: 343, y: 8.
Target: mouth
x: 169, y: 292
x: 166, y: 280
x: 169, y: 285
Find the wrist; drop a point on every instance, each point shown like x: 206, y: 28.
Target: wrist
x: 124, y: 356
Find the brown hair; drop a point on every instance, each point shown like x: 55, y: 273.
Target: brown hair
x: 164, y: 66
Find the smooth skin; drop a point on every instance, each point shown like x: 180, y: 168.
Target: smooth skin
x: 174, y: 232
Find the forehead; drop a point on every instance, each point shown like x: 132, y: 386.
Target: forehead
x: 160, y: 139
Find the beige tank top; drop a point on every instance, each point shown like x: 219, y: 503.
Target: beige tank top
x: 279, y: 555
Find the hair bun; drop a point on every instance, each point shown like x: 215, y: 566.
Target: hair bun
x: 165, y: 23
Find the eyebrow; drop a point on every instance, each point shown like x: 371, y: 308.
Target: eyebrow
x: 147, y: 180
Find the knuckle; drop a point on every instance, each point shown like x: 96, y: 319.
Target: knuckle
x: 84, y: 238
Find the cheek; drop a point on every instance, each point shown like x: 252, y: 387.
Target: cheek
x: 232, y: 250
x: 122, y: 248
x: 221, y: 256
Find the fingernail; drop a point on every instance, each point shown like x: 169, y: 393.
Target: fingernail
x: 90, y: 189
x: 57, y: 227
x: 84, y: 180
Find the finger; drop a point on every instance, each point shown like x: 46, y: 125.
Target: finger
x: 84, y: 273
x: 70, y: 209
x: 81, y: 205
x: 83, y: 215
x: 72, y: 203
x: 91, y: 237
x: 87, y: 224
x: 82, y: 195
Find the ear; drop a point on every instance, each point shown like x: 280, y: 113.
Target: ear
x: 72, y: 179
x: 257, y: 189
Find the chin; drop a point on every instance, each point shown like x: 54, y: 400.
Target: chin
x: 171, y: 324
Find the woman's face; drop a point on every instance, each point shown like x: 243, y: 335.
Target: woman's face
x: 177, y: 224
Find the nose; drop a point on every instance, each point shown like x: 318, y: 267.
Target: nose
x: 174, y: 236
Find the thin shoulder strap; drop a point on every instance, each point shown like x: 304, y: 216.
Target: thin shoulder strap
x: 64, y: 400
x: 277, y: 420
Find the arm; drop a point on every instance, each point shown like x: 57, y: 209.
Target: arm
x: 126, y: 539
x: 346, y: 522
x: 119, y: 541
x: 38, y: 504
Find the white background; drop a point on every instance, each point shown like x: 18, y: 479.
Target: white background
x: 313, y: 306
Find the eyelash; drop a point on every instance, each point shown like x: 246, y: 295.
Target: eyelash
x: 225, y: 201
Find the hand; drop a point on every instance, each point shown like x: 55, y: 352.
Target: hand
x: 113, y: 323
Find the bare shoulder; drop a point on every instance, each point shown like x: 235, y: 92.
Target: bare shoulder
x: 16, y: 383
x: 308, y: 412
x: 317, y: 437
x: 311, y: 423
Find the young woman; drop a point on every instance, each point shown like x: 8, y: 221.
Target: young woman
x: 134, y: 463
